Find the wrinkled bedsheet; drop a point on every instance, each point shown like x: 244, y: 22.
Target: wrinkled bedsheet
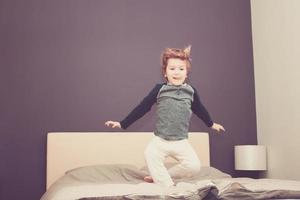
x: 125, y: 182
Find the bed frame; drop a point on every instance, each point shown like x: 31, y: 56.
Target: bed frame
x: 69, y: 150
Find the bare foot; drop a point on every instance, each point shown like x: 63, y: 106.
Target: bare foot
x: 148, y: 179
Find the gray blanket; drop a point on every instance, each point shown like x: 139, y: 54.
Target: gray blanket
x: 236, y: 191
x: 125, y: 182
x: 205, y: 193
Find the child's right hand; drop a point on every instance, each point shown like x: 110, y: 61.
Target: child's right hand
x: 113, y: 124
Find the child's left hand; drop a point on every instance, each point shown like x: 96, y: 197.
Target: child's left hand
x: 217, y: 127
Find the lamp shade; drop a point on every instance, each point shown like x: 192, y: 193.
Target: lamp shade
x: 250, y: 157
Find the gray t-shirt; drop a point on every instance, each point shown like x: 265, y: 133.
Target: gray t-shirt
x: 174, y: 111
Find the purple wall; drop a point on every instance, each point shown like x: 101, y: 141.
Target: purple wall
x: 72, y: 65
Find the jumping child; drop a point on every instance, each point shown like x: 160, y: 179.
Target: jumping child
x: 176, y: 100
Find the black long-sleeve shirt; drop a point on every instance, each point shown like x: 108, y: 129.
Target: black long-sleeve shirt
x: 145, y: 106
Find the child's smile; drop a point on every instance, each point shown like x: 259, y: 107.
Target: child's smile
x: 176, y: 71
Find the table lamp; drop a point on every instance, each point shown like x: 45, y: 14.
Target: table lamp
x: 250, y: 157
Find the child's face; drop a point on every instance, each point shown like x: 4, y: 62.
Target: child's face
x: 176, y: 71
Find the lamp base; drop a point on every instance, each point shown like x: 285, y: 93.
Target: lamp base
x: 248, y: 174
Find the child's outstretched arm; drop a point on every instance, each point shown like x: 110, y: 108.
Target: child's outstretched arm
x: 201, y: 112
x: 139, y: 111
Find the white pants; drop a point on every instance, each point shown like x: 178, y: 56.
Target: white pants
x: 156, y: 152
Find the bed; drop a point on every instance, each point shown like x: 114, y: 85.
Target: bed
x: 111, y: 165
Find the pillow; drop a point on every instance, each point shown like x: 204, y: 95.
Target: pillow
x: 110, y: 173
x: 124, y: 173
x: 206, y: 172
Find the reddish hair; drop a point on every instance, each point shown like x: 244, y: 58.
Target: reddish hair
x: 183, y: 54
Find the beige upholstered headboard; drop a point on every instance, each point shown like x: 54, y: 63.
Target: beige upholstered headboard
x: 69, y: 150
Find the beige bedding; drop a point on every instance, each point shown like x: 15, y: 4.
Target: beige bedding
x: 118, y: 182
